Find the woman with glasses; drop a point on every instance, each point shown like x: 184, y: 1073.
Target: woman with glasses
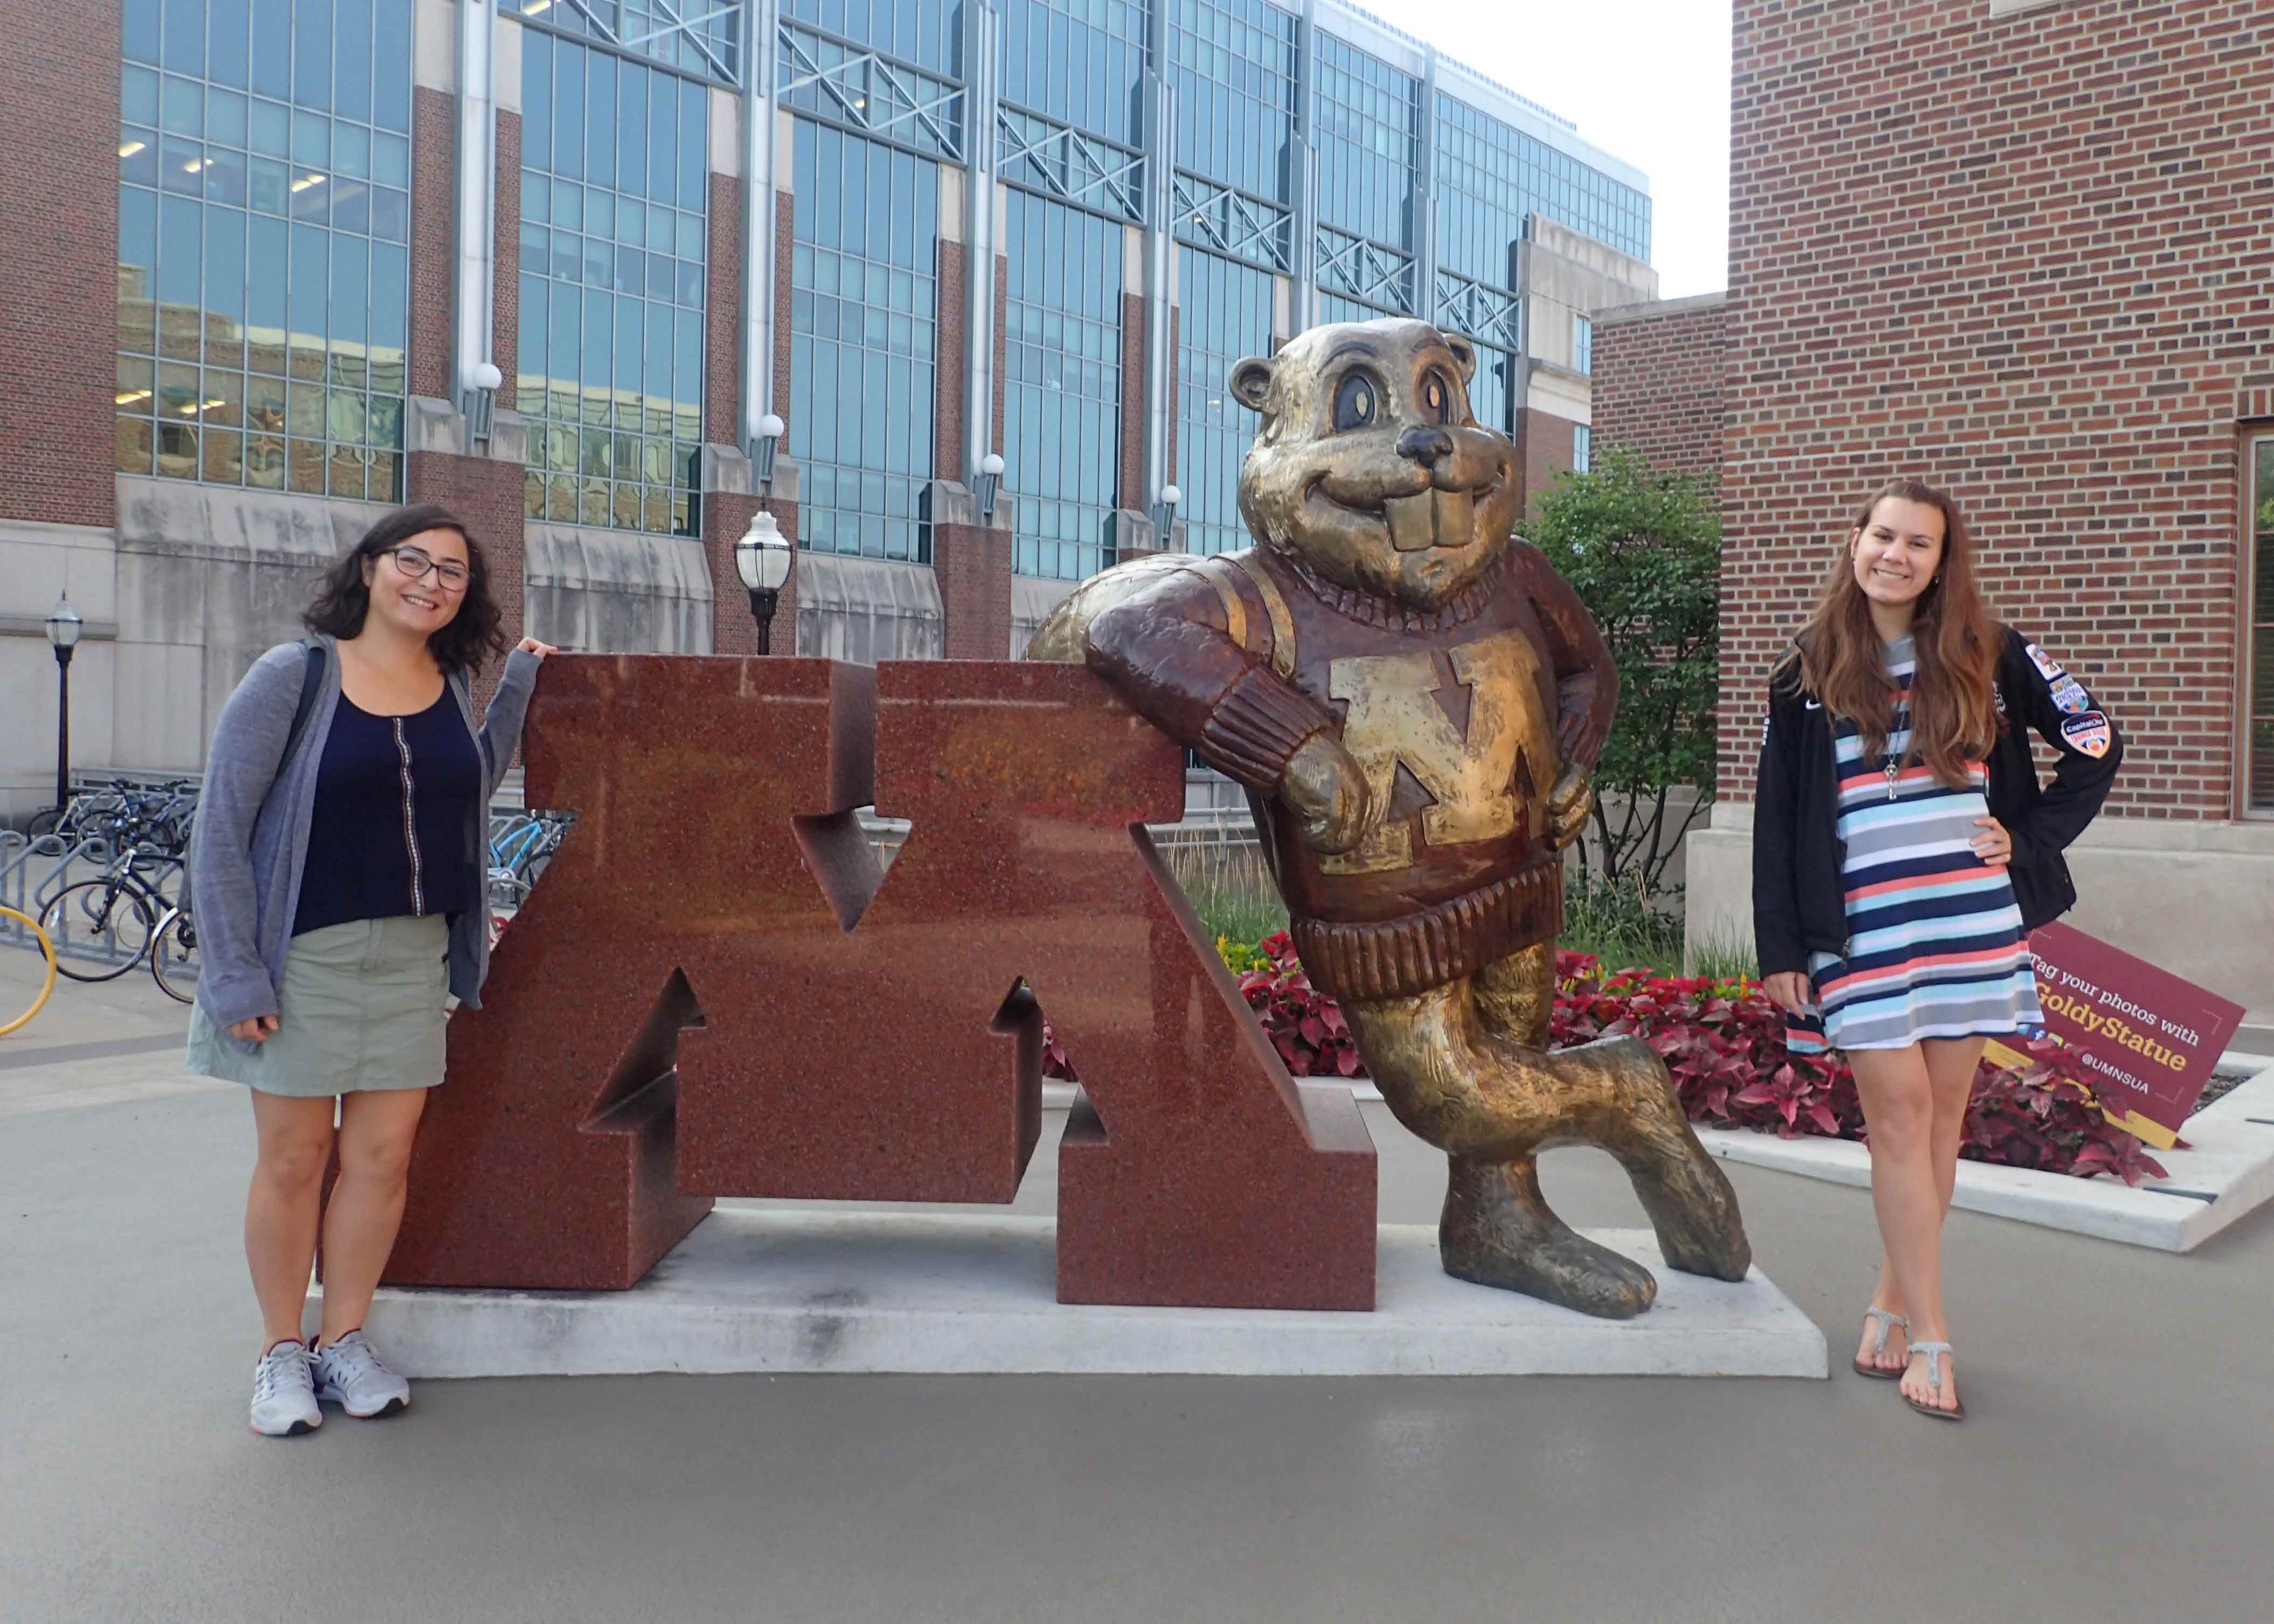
x: 339, y: 880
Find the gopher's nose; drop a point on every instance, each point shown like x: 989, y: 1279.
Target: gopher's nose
x: 1427, y: 446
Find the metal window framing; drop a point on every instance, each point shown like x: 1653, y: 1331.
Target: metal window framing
x: 1089, y: 171
x: 761, y: 39
x: 1236, y: 224
x: 1491, y: 315
x: 1361, y: 268
x: 982, y: 39
x: 677, y: 17
x: 870, y: 94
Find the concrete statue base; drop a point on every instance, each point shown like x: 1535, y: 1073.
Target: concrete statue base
x: 774, y: 1289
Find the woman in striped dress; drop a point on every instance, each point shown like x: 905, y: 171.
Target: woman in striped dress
x: 1903, y: 849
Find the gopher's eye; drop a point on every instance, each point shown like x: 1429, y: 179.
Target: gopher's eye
x: 1436, y: 398
x: 1354, y: 402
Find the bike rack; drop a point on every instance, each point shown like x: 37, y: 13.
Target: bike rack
x: 19, y: 891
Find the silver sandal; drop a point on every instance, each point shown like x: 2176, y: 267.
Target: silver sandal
x: 1934, y: 1352
x: 1888, y: 1320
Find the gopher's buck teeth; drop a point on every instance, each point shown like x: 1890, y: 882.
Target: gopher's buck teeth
x: 1433, y: 519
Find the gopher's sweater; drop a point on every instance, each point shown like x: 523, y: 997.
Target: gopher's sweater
x: 1461, y: 716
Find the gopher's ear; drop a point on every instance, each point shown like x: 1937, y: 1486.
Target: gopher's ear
x: 1464, y: 354
x: 1251, y: 380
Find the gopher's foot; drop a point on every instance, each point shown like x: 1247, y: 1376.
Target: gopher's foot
x: 1498, y: 1231
x: 1695, y: 1213
x: 1684, y: 1188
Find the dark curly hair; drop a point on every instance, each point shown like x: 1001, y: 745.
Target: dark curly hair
x: 475, y: 635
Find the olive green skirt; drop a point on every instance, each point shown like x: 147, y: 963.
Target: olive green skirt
x: 361, y: 1008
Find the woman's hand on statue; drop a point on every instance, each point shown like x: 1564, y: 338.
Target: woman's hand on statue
x: 1994, y: 846
x: 1787, y: 990
x: 530, y: 645
x: 257, y: 1029
x: 1327, y: 792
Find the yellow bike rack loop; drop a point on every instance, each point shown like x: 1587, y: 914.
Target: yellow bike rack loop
x: 46, y: 948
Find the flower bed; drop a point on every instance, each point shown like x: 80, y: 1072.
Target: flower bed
x: 1724, y: 1044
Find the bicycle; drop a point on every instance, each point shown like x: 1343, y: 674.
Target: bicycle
x: 91, y: 922
x: 173, y: 962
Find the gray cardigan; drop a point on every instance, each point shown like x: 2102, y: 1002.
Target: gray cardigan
x: 251, y: 840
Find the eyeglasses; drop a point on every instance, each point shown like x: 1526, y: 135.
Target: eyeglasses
x: 414, y: 562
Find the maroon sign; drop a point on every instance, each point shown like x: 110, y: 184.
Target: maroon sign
x: 2145, y: 1039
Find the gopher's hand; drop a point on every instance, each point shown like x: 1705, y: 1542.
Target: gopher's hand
x: 1569, y: 803
x: 1332, y: 802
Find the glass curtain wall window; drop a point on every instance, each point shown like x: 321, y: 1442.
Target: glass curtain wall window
x: 1077, y: 61
x: 614, y: 204
x: 927, y: 33
x: 1492, y: 176
x: 864, y: 290
x: 2259, y: 795
x: 710, y: 43
x: 264, y: 223
x: 1369, y: 143
x: 1062, y: 385
x: 1226, y: 314
x: 1232, y: 64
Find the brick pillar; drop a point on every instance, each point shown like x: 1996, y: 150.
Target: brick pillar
x: 505, y: 303
x: 971, y: 562
x: 433, y: 165
x: 1544, y: 447
x: 952, y: 350
x: 485, y: 491
x: 58, y: 263
x: 728, y: 503
x: 1130, y: 477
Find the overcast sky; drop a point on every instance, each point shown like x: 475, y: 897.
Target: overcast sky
x: 1646, y: 80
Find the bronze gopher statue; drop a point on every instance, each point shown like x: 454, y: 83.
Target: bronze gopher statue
x: 1413, y: 700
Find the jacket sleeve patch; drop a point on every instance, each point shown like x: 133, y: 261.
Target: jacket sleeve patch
x: 2086, y: 734
x: 2048, y: 667
x: 2069, y: 695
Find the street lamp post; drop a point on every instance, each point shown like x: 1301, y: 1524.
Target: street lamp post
x: 64, y: 626
x: 1167, y: 516
x: 761, y: 559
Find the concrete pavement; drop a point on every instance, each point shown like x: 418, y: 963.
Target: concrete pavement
x: 2116, y: 1467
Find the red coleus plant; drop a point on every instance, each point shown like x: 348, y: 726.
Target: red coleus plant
x: 1723, y: 1042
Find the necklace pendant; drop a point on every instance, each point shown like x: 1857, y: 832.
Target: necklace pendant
x: 1890, y: 780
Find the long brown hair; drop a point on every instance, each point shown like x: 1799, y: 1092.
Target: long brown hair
x: 1954, y: 713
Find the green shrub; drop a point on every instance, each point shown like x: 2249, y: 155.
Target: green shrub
x: 1643, y: 550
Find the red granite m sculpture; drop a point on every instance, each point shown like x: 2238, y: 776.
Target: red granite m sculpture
x: 714, y: 991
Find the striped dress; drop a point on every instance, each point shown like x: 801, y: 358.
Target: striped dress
x: 1935, y: 944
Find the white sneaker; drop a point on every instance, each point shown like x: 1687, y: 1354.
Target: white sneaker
x: 284, y: 1392
x: 349, y: 1375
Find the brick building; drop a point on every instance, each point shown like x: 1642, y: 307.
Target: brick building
x: 286, y: 238
x: 2024, y: 248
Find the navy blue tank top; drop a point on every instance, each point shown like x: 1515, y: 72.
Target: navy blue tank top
x: 395, y: 796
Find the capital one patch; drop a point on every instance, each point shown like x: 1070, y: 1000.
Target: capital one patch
x: 2069, y: 695
x: 2048, y: 667
x: 2088, y: 732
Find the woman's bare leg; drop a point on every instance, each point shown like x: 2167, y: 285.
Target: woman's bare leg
x: 280, y: 1208
x: 376, y: 1129
x: 1898, y: 1099
x: 1951, y: 1065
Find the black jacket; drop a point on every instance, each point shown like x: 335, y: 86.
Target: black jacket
x: 1799, y: 899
